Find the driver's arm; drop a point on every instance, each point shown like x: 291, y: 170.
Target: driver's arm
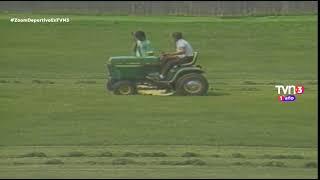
x: 178, y: 52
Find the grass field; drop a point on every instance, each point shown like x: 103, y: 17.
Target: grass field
x: 57, y: 120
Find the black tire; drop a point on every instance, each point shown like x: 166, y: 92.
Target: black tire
x: 109, y: 85
x: 124, y: 88
x: 192, y: 84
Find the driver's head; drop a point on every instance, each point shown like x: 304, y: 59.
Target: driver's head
x: 140, y: 35
x: 177, y: 35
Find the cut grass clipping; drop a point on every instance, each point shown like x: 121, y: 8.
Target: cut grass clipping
x: 153, y: 154
x: 54, y: 162
x: 269, y: 164
x: 105, y: 154
x: 36, y: 81
x: 311, y: 165
x: 274, y: 164
x: 96, y: 163
x: 249, y: 83
x: 195, y: 162
x: 34, y: 154
x: 19, y: 163
x: 145, y: 154
x: 74, y: 154
x: 283, y: 156
x: 238, y: 155
x: 246, y: 163
x: 215, y: 155
x: 123, y: 161
x: 190, y: 154
x: 6, y: 81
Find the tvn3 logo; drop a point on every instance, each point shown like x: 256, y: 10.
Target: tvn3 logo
x: 287, y: 93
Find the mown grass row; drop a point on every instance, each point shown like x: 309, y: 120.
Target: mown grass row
x: 181, y: 162
x: 155, y: 154
x: 191, y: 158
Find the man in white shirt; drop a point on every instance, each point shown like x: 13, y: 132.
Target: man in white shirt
x: 183, y: 54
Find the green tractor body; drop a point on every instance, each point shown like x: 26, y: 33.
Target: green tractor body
x: 132, y: 67
x: 127, y: 73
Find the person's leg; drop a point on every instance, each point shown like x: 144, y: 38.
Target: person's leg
x: 186, y: 60
x: 169, y: 64
x: 163, y: 60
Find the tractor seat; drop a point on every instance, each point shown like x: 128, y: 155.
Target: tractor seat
x: 195, y: 57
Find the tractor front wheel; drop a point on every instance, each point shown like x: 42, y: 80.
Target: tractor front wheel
x: 124, y: 88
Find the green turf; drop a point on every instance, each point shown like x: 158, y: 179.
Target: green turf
x: 52, y: 94
x: 219, y: 162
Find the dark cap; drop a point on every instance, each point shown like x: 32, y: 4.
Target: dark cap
x: 177, y: 35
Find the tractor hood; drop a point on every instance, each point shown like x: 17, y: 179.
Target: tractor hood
x: 128, y: 60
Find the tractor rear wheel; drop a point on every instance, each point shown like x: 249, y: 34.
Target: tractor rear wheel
x: 193, y: 84
x: 124, y: 88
